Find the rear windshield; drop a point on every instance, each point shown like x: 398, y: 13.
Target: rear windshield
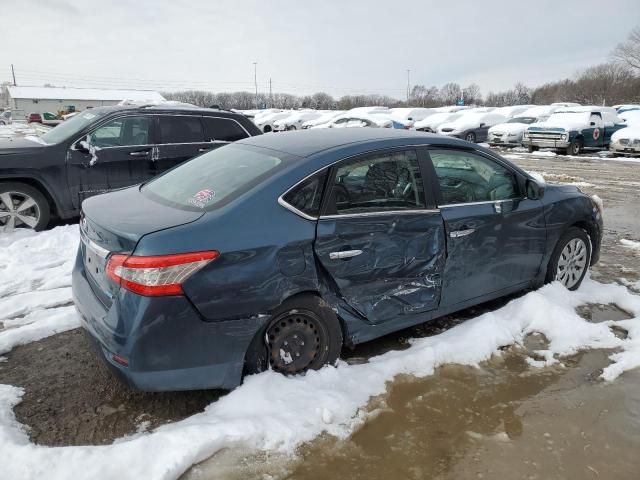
x: 215, y: 178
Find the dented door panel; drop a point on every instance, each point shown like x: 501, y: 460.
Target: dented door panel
x: 400, y: 265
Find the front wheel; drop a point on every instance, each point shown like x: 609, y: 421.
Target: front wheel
x: 470, y: 137
x: 303, y: 334
x: 22, y: 206
x: 570, y: 259
x: 532, y: 148
x: 575, y: 147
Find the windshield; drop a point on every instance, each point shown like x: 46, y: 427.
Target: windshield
x: 215, y: 178
x: 73, y: 125
x: 526, y: 120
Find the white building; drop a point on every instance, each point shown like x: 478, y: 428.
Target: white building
x: 54, y: 99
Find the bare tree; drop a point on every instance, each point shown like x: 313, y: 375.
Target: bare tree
x: 628, y: 52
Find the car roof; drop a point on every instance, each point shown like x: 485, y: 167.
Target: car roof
x: 169, y: 108
x: 304, y: 143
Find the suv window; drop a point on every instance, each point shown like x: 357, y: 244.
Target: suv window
x: 307, y: 196
x: 466, y: 177
x: 381, y: 182
x: 122, y: 132
x: 181, y: 129
x: 222, y: 129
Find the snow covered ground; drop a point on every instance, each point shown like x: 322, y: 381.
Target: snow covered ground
x: 270, y: 411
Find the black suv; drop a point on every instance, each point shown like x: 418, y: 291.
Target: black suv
x: 103, y: 149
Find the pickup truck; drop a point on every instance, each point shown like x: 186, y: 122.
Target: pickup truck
x: 572, y: 130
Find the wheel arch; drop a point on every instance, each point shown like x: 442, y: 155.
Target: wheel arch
x: 40, y: 186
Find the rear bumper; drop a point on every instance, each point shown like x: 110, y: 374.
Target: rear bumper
x: 167, y: 344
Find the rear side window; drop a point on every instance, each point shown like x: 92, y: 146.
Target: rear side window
x: 222, y: 129
x: 214, y: 178
x: 307, y: 196
x: 181, y: 129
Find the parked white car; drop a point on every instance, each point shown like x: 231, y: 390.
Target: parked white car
x: 472, y: 126
x: 412, y: 114
x: 512, y: 111
x: 626, y: 141
x: 265, y: 122
x: 295, y: 120
x: 5, y: 117
x: 509, y: 133
x: 432, y: 122
x: 326, y: 117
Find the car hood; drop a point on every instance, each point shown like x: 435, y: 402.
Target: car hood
x: 627, y: 132
x: 117, y: 220
x: 19, y: 145
x: 508, y: 128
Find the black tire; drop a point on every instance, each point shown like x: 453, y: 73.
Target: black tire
x: 266, y: 129
x: 568, y: 236
x: 42, y: 206
x: 291, y: 127
x: 532, y: 148
x: 470, y: 137
x: 303, y: 318
x: 575, y: 147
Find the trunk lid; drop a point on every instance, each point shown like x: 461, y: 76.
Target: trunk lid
x: 114, y: 223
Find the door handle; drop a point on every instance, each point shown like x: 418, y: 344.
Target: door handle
x: 462, y: 233
x: 341, y: 255
x: 139, y: 154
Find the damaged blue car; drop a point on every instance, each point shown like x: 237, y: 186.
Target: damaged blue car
x: 278, y: 250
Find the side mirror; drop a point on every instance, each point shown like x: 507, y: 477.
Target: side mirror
x: 593, y: 124
x: 84, y: 145
x: 482, y: 125
x: 535, y: 191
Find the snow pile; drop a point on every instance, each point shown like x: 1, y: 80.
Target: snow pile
x: 632, y: 244
x: 273, y: 412
x: 35, y: 284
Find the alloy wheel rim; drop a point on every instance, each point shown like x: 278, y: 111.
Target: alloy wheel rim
x: 18, y: 210
x: 295, y: 340
x: 470, y: 137
x: 572, y: 263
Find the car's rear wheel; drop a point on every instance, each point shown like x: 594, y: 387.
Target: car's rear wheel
x: 570, y: 259
x: 470, y: 137
x: 267, y: 128
x: 22, y: 206
x: 291, y: 127
x: 303, y: 334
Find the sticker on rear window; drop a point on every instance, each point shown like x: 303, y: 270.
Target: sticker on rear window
x: 201, y: 198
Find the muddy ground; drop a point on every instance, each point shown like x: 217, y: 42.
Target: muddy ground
x: 504, y: 419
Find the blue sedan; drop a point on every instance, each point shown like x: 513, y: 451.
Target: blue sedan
x: 277, y: 250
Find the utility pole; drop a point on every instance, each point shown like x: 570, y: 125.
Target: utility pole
x: 408, y: 83
x: 13, y: 72
x: 255, y: 80
x: 270, y: 94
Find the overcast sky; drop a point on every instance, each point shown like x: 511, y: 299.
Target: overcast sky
x: 337, y: 46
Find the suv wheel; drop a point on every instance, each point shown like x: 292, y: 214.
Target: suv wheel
x: 22, y: 206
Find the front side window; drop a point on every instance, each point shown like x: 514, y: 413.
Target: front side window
x: 122, y: 132
x: 307, y: 196
x: 181, y: 129
x: 381, y: 182
x: 74, y: 125
x: 222, y: 129
x: 466, y: 177
x: 214, y: 178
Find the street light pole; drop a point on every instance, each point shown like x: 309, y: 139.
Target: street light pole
x: 408, y: 83
x: 255, y: 80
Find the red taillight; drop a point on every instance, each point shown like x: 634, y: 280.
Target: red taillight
x: 156, y: 275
